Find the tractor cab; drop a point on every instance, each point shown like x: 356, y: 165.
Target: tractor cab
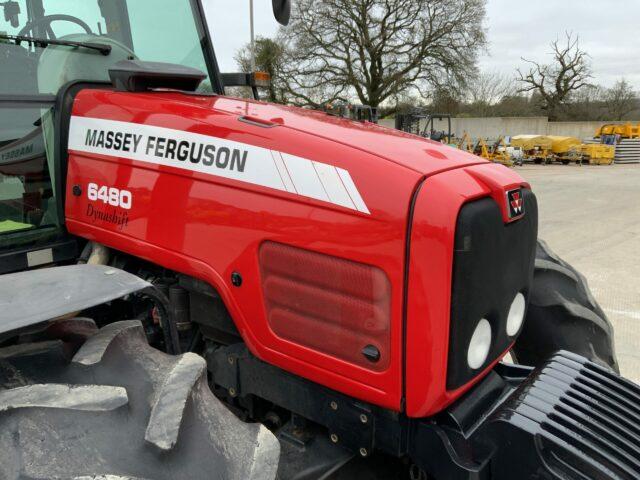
x: 47, y: 47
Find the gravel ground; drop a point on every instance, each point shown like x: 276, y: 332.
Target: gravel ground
x: 590, y: 216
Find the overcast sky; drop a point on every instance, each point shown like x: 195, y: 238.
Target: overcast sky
x: 609, y: 31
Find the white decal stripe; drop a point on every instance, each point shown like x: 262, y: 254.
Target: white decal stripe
x: 283, y: 187
x: 313, y: 164
x: 304, y: 177
x: 286, y: 179
x: 333, y: 185
x: 259, y: 168
x: 353, y: 190
x: 227, y: 159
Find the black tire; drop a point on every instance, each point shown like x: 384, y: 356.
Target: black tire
x: 563, y: 315
x: 120, y: 410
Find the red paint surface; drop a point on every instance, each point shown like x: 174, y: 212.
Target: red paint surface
x: 209, y: 227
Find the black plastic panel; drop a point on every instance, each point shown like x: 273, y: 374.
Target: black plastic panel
x: 493, y: 261
x: 56, y: 252
x: 139, y: 76
x: 571, y: 419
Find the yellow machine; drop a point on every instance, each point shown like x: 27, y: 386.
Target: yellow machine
x: 598, y: 154
x: 465, y: 143
x: 625, y: 130
x: 481, y: 149
x: 531, y: 142
x: 535, y: 147
x: 498, y: 153
x: 562, y: 145
x: 566, y: 149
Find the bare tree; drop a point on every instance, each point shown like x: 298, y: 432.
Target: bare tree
x: 486, y: 90
x: 570, y: 71
x: 490, y: 87
x: 620, y: 100
x: 379, y: 50
x: 587, y: 104
x: 518, y: 105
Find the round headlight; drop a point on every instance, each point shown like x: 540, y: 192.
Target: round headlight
x: 479, y: 345
x: 516, y: 315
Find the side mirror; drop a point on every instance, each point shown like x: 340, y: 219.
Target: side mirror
x: 282, y: 11
x: 12, y: 10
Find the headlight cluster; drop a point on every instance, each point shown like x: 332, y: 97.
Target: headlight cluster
x: 480, y: 343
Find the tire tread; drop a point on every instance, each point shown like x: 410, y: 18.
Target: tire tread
x: 142, y: 414
x: 563, y: 315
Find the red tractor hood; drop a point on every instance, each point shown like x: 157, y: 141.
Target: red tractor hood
x: 309, y: 155
x: 207, y: 185
x: 421, y: 155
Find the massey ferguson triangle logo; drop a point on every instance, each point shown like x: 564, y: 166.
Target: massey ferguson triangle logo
x: 515, y: 203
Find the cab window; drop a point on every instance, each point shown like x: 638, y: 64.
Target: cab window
x: 148, y: 30
x: 28, y: 209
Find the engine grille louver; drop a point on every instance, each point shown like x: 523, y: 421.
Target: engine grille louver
x: 579, y: 419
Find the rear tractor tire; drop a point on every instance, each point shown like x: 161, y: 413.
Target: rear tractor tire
x: 119, y: 410
x: 563, y: 315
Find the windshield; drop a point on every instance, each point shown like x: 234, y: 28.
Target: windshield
x: 149, y: 30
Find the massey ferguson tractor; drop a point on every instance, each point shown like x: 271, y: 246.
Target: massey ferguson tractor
x: 203, y: 287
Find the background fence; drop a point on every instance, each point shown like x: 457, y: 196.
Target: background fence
x: 494, y: 127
